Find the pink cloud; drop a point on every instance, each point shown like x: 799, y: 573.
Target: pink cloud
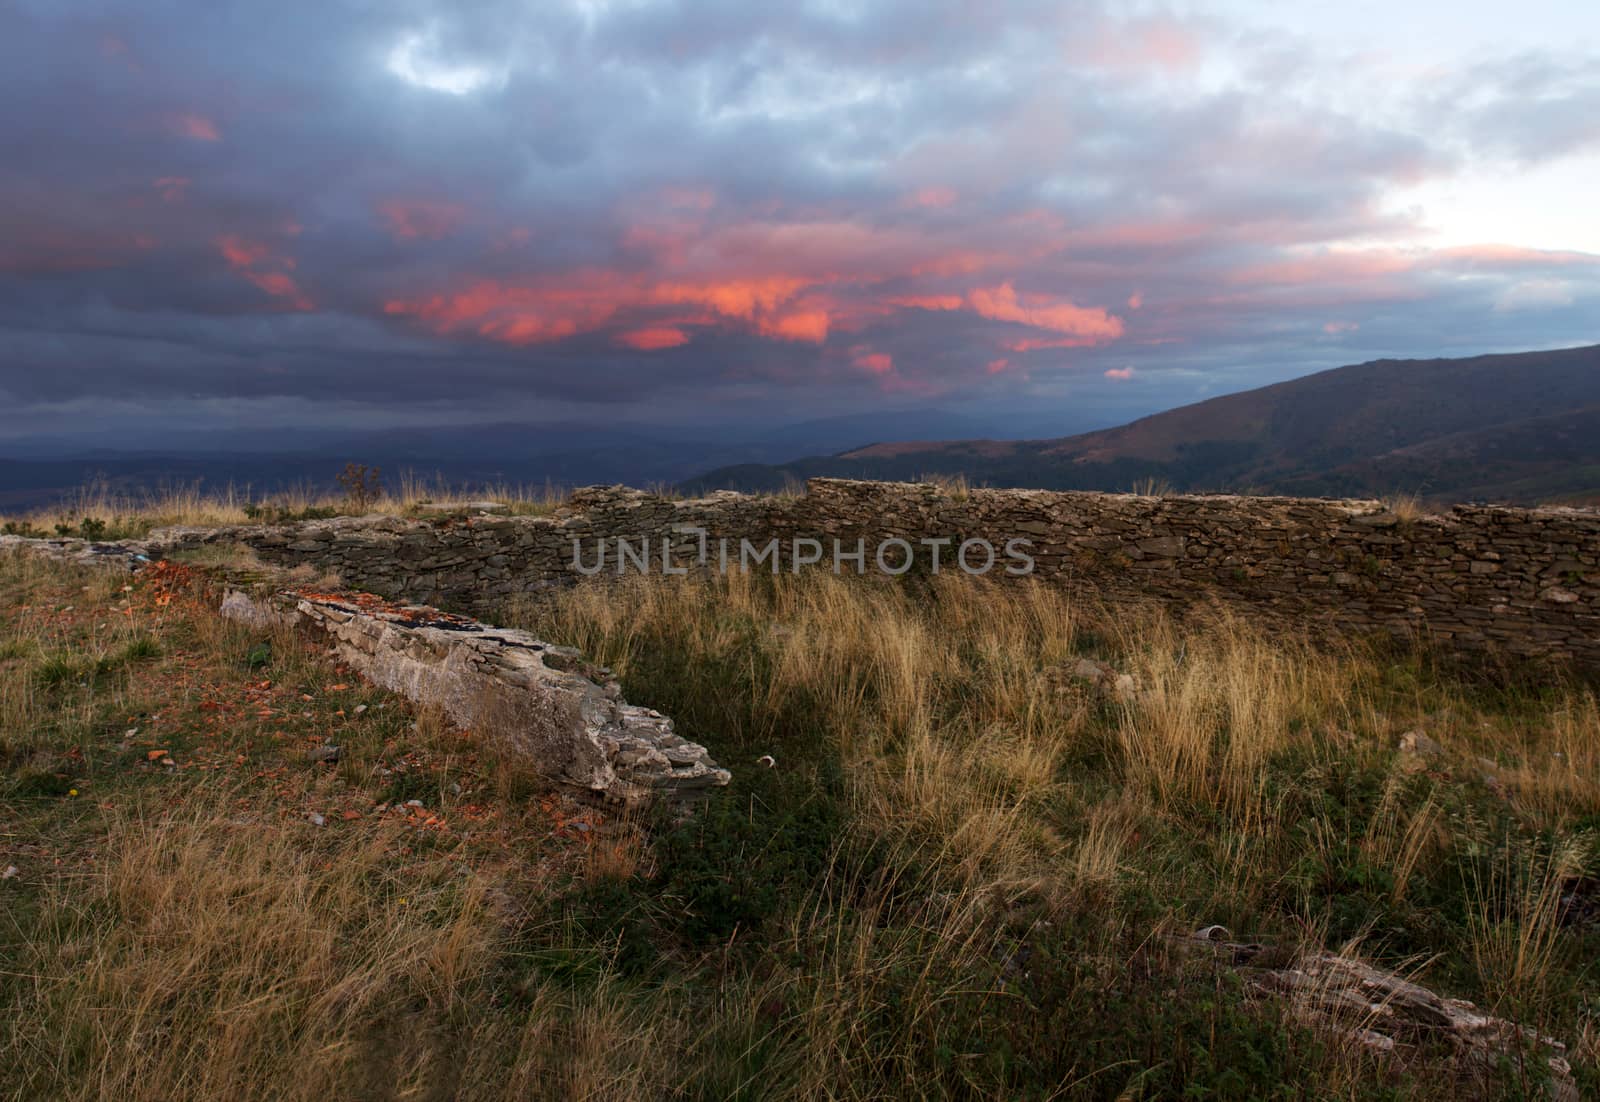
x: 1082, y: 325
x: 1136, y: 300
x: 256, y: 261
x: 1341, y: 327
x: 561, y: 306
x: 1327, y: 266
x: 516, y: 314
x: 187, y: 124
x: 801, y: 325
x: 240, y: 253
x: 879, y: 363
x: 420, y: 219
x: 1511, y: 256
x: 1152, y: 42
x: 995, y: 367
x: 1119, y: 373
x: 927, y: 302
x: 735, y: 298
x: 932, y: 197
x: 654, y: 337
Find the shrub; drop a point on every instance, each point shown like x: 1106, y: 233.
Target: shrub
x: 361, y: 484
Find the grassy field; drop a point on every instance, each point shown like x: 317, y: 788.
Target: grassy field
x: 100, y: 513
x: 960, y: 878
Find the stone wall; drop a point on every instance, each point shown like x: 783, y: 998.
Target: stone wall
x: 1520, y: 581
x: 543, y: 703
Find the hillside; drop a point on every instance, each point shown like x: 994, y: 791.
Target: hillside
x: 969, y: 838
x: 1520, y: 427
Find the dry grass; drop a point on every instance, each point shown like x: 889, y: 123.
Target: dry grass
x: 1408, y: 507
x: 99, y: 511
x: 954, y: 486
x: 1152, y: 487
x: 965, y: 858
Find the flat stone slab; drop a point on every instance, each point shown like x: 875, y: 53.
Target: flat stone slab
x: 540, y: 701
x: 1385, y: 1014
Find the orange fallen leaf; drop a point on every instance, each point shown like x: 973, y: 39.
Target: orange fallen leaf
x: 152, y: 755
x: 338, y: 688
x: 352, y: 814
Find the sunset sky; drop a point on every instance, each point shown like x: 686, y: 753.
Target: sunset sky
x: 380, y: 213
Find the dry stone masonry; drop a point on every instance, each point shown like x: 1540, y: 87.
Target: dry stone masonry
x: 1477, y: 578
x: 536, y: 701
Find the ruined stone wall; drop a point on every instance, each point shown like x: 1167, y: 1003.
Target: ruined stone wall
x: 1522, y: 581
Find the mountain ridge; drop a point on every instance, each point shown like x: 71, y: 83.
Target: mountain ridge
x: 1515, y: 426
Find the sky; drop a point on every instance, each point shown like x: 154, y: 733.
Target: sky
x: 314, y: 212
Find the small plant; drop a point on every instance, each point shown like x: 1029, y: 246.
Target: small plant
x: 89, y: 528
x: 1406, y: 507
x: 361, y: 484
x: 955, y: 486
x: 1152, y: 487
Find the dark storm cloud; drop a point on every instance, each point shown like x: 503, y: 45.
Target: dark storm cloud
x: 401, y: 203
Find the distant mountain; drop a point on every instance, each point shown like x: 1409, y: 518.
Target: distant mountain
x: 43, y: 471
x: 1522, y: 427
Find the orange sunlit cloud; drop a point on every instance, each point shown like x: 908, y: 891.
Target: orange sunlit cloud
x: 585, y: 301
x: 732, y: 298
x: 515, y: 315
x: 995, y: 367
x: 187, y: 124
x: 879, y: 363
x: 257, y: 262
x: 240, y: 253
x: 802, y: 282
x: 801, y: 325
x: 780, y: 307
x: 1082, y: 325
x: 653, y: 338
x: 420, y: 219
